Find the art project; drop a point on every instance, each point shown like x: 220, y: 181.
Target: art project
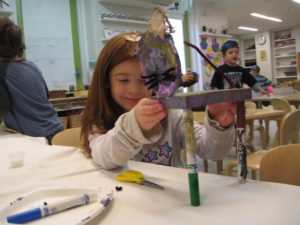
x: 161, y: 70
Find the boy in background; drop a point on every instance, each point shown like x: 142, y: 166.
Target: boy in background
x: 261, y: 80
x: 236, y: 73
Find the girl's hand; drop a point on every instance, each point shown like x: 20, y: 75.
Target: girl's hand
x: 148, y: 113
x: 224, y: 113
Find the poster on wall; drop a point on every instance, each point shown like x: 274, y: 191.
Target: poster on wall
x: 263, y: 55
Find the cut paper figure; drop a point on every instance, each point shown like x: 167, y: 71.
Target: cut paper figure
x: 214, y: 44
x: 203, y: 42
x: 158, y: 56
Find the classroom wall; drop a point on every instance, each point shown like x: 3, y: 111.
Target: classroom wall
x: 91, y: 11
x: 203, y: 15
x: 264, y: 55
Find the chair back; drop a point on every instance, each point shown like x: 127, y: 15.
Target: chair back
x: 68, y: 137
x: 282, y: 165
x: 281, y: 104
x: 296, y: 85
x: 250, y: 107
x: 199, y: 117
x: 290, y: 128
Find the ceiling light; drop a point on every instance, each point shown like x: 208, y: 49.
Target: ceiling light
x: 248, y: 28
x: 298, y: 1
x: 266, y: 17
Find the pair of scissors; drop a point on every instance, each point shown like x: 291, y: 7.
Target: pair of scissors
x: 135, y: 176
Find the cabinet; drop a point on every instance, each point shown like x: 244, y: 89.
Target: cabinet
x: 248, y: 52
x: 133, y: 24
x: 113, y: 18
x: 6, y: 10
x: 115, y: 21
x: 285, y: 62
x: 70, y: 109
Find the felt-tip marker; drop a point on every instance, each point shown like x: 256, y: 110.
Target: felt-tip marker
x: 53, y: 208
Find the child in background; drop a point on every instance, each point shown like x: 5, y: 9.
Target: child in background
x: 236, y: 73
x: 264, y: 82
x: 122, y: 122
x: 189, y: 79
x: 23, y: 88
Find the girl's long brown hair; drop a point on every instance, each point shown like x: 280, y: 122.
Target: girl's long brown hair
x: 101, y: 111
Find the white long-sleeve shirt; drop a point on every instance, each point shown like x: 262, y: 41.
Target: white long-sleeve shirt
x: 126, y: 141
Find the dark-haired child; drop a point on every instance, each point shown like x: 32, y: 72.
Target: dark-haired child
x: 236, y: 73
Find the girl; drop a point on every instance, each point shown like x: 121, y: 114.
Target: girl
x: 122, y: 122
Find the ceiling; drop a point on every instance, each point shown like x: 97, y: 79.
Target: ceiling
x: 238, y: 13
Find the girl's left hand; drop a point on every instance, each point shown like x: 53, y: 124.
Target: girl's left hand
x: 148, y: 113
x: 223, y: 112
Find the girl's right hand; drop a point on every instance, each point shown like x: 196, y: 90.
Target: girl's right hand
x: 148, y: 113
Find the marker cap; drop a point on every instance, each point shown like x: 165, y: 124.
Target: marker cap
x: 25, y: 217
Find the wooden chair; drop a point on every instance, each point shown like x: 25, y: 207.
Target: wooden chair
x: 250, y: 106
x: 296, y: 85
x: 290, y: 128
x: 282, y: 165
x: 68, y: 137
x: 279, y: 104
x: 250, y: 127
x: 289, y: 133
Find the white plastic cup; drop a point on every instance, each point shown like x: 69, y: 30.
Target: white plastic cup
x: 16, y: 159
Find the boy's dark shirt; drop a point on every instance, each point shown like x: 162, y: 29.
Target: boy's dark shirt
x: 237, y: 74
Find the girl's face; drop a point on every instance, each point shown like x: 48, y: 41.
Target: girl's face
x: 127, y: 86
x: 232, y: 56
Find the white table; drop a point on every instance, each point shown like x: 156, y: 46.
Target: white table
x: 223, y: 199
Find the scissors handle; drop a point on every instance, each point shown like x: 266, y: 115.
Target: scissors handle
x: 131, y: 179
x: 135, y: 176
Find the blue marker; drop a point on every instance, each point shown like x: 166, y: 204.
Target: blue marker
x: 50, y: 209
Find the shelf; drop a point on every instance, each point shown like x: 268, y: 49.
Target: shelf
x: 286, y: 77
x: 216, y: 35
x: 283, y: 47
x: 5, y: 12
x: 124, y: 21
x: 286, y: 66
x: 248, y: 52
x: 287, y: 39
x: 138, y: 3
x: 285, y: 56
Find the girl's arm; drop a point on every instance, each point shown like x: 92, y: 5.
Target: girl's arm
x: 216, y: 137
x: 121, y: 143
x: 211, y: 141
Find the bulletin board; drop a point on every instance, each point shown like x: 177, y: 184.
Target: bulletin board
x: 48, y: 40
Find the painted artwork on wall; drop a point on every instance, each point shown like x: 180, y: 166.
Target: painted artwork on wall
x: 211, y: 46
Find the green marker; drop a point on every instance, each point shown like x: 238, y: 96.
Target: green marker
x: 190, y: 147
